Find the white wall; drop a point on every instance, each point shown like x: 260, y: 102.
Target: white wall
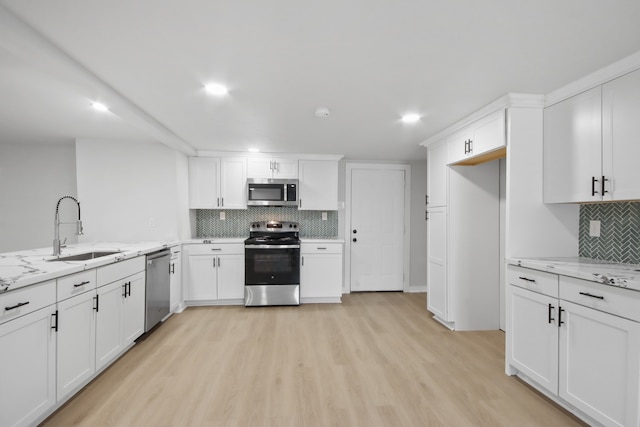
x: 129, y: 191
x: 418, y: 226
x: 32, y: 179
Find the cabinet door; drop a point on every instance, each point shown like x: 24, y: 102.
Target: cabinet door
x: 202, y: 284
x: 488, y: 134
x: 109, y: 323
x: 233, y: 183
x: 437, y: 174
x: 285, y: 168
x: 76, y: 355
x: 437, y: 284
x: 27, y: 367
x: 599, y: 364
x: 260, y: 167
x: 458, y: 146
x: 204, y: 189
x: 175, y: 293
x: 572, y: 149
x: 321, y: 276
x: 230, y: 276
x: 532, y: 336
x: 318, y: 185
x: 620, y: 148
x: 133, y: 308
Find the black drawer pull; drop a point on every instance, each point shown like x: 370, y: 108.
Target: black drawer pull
x: 560, y: 322
x: 18, y: 305
x: 549, y: 318
x: 55, y: 327
x: 587, y: 294
x: 527, y: 279
x: 81, y: 284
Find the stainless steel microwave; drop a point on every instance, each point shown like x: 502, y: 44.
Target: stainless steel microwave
x: 272, y: 192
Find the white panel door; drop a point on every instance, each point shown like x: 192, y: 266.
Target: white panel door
x: 318, y: 185
x: 203, y: 182
x: 599, y: 364
x: 230, y: 276
x: 437, y: 289
x: 133, y: 306
x: 233, y: 183
x: 437, y: 174
x: 377, y: 229
x: 109, y: 323
x: 202, y: 284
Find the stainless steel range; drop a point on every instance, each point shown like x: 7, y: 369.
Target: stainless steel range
x: 272, y: 264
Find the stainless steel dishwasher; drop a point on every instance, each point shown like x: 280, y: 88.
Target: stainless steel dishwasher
x: 158, y: 288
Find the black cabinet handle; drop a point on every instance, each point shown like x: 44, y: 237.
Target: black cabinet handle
x: 128, y: 288
x: 527, y: 279
x: 18, y: 305
x: 124, y: 290
x: 550, y: 319
x: 77, y: 285
x: 355, y: 231
x: 173, y: 268
x: 97, y: 306
x: 593, y: 185
x: 560, y: 322
x: 55, y: 327
x: 587, y: 294
x: 355, y: 240
x: 603, y: 191
x: 470, y: 146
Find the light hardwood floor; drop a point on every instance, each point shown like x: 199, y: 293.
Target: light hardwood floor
x: 377, y: 359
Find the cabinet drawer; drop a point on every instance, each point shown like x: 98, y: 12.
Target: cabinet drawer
x: 534, y: 280
x: 23, y: 301
x: 321, y: 248
x: 119, y: 270
x: 610, y: 299
x: 76, y: 284
x: 216, y: 248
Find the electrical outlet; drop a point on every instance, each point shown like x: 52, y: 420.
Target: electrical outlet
x: 324, y: 216
x: 594, y: 228
x: 223, y: 216
x: 152, y: 222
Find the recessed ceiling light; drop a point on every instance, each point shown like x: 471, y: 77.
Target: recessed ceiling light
x: 410, y: 118
x: 99, y: 106
x: 216, y: 89
x: 254, y: 150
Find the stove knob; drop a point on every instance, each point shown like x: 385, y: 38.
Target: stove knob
x: 290, y: 225
x: 295, y: 225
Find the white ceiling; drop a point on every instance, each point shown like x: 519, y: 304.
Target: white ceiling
x: 368, y: 61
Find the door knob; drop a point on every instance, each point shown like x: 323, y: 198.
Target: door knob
x: 355, y: 231
x: 355, y: 240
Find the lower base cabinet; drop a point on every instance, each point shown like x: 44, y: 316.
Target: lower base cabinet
x: 27, y: 367
x: 573, y: 347
x: 320, y: 272
x: 215, y: 274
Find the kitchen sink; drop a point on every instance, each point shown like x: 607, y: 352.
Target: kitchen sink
x: 85, y: 256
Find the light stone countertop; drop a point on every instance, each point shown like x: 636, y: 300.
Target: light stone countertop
x: 28, y: 267
x: 605, y: 272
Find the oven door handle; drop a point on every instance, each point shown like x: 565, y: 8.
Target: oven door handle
x: 272, y: 246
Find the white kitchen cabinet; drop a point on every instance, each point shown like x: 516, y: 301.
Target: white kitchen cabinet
x: 175, y: 294
x: 318, y: 185
x: 320, y: 272
x: 76, y: 345
x: 265, y: 167
x: 133, y: 308
x: 477, y: 141
x: 437, y: 174
x: 532, y: 341
x: 216, y: 274
x: 28, y: 366
x: 109, y: 323
x: 437, y: 284
x: 578, y: 340
x: 204, y: 183
x: 217, y: 183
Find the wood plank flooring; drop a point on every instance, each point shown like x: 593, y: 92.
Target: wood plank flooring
x: 377, y: 359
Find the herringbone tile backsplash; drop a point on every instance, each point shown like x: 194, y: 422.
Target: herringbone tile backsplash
x: 619, y: 239
x: 236, y: 224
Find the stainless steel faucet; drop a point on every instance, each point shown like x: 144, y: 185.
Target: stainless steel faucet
x: 56, y: 225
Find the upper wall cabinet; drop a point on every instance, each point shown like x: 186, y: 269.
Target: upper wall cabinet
x: 217, y: 183
x: 482, y: 141
x: 266, y: 167
x: 590, y: 144
x: 318, y: 185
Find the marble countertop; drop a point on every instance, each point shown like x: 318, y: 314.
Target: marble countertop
x: 605, y: 272
x: 24, y: 268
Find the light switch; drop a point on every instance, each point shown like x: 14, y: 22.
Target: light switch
x: 223, y: 216
x: 152, y: 222
x: 594, y: 228
x: 324, y: 216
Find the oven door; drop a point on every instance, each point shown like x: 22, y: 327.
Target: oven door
x: 272, y: 264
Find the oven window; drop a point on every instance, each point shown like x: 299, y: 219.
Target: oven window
x: 268, y: 192
x: 272, y: 266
